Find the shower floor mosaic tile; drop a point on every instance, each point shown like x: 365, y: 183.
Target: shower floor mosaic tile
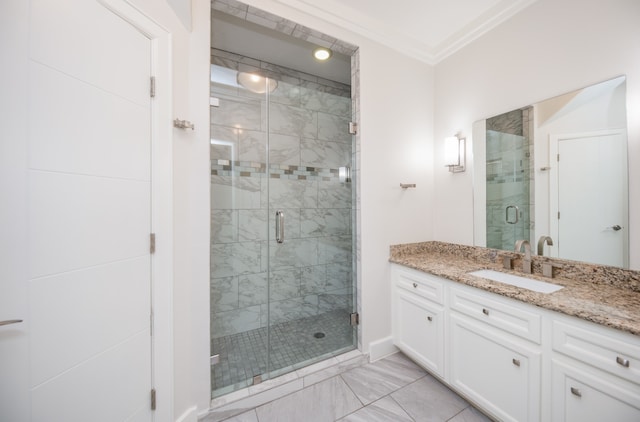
x: 294, y: 344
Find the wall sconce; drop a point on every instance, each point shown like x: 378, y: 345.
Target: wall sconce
x: 455, y: 153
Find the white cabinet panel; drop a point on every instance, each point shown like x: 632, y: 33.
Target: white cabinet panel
x: 604, y: 349
x: 510, y: 317
x: 501, y: 375
x: 80, y: 221
x: 588, y: 395
x: 419, y: 331
x: 103, y: 306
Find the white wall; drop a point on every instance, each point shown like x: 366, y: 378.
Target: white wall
x: 548, y: 49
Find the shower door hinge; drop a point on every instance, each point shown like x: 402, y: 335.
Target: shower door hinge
x: 152, y: 87
x: 215, y: 359
x: 152, y: 243
x: 153, y: 399
x: 353, y: 128
x: 355, y: 319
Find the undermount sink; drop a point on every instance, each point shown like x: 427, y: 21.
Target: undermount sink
x: 514, y: 280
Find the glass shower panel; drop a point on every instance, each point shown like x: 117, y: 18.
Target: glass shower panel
x: 310, y: 193
x: 508, y: 198
x: 239, y: 216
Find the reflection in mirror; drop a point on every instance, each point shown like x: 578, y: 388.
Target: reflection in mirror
x: 557, y: 168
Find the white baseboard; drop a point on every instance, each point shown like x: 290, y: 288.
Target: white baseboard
x: 381, y: 348
x: 190, y: 415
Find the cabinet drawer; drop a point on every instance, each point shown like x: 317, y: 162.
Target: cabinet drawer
x: 603, y: 350
x: 425, y: 285
x: 497, y: 313
x: 579, y: 395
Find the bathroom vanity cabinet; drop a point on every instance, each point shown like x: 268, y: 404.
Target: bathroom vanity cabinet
x: 515, y: 361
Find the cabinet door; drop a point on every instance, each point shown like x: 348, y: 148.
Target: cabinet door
x: 498, y: 372
x: 587, y: 395
x: 419, y: 330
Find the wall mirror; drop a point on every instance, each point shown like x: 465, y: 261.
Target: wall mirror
x: 557, y: 168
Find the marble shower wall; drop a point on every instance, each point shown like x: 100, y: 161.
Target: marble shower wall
x: 509, y: 176
x: 311, y: 272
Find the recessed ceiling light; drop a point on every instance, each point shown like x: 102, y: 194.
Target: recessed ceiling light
x: 322, y: 54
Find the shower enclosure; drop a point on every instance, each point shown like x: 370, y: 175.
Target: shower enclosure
x: 509, y: 179
x: 282, y: 221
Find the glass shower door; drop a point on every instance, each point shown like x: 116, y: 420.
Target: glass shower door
x: 311, y: 225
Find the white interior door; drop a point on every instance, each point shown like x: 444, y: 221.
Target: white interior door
x: 591, y: 197
x: 87, y: 179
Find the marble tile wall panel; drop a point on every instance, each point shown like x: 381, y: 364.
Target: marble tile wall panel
x: 334, y: 300
x: 252, y: 289
x: 239, y: 113
x: 294, y: 253
x: 236, y: 321
x: 295, y: 121
x: 230, y: 259
x: 312, y: 99
x: 252, y: 225
x: 236, y: 193
x: 284, y: 149
x: 325, y: 222
x: 334, y: 128
x: 313, y: 279
x: 334, y: 194
x: 284, y: 193
x: 289, y: 310
x: 287, y: 93
x: 339, y: 276
x: 334, y: 249
x: 224, y: 226
x: 252, y: 146
x: 284, y: 284
x: 291, y: 222
x: 317, y: 153
x: 224, y: 294
x: 270, y: 20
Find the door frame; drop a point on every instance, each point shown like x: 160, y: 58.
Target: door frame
x: 161, y: 203
x: 554, y: 147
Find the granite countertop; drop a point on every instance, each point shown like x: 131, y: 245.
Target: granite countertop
x: 608, y: 296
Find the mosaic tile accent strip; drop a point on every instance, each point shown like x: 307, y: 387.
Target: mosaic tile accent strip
x: 248, y: 169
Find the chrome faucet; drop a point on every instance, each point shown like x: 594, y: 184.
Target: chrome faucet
x: 526, y: 262
x: 544, y: 239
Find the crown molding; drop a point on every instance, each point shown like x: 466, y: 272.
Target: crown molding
x: 335, y: 13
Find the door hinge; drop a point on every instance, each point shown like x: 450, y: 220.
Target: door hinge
x: 151, y: 323
x: 558, y: 157
x: 153, y: 399
x: 558, y: 215
x: 152, y: 88
x: 152, y: 243
x: 355, y: 319
x: 353, y: 128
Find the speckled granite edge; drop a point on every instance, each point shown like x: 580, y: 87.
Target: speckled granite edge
x: 604, y: 295
x: 566, y: 269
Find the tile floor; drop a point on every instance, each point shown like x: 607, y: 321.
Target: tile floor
x: 244, y: 355
x: 391, y: 389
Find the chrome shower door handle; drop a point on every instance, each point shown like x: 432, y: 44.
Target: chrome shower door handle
x: 279, y: 226
x: 10, y: 321
x: 506, y: 216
